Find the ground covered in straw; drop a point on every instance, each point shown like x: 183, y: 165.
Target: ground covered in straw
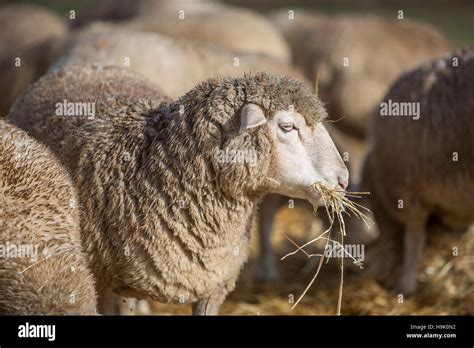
x: 446, y: 282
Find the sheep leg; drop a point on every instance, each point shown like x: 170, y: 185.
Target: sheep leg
x: 413, y: 242
x: 210, y: 305
x: 386, y: 254
x: 106, y: 303
x: 267, y: 265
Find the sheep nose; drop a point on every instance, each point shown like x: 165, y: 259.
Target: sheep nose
x: 343, y: 182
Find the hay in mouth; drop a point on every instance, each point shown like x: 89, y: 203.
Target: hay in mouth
x: 336, y: 203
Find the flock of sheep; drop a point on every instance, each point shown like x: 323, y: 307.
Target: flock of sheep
x: 140, y: 143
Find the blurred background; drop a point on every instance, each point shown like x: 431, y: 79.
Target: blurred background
x: 446, y: 283
x: 454, y: 17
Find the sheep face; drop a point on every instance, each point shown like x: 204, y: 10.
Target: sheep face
x: 300, y: 156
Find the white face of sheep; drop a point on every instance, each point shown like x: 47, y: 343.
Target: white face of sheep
x: 302, y: 155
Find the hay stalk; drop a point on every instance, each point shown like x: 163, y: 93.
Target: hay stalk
x: 336, y: 203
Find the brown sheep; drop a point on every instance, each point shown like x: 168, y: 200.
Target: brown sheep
x: 113, y: 11
x: 358, y: 58
x: 28, y: 33
x: 420, y: 167
x: 181, y: 66
x: 167, y: 200
x: 23, y: 26
x: 237, y: 29
x: 43, y: 270
x: 174, y: 66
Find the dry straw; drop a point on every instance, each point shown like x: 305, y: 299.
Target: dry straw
x: 336, y: 203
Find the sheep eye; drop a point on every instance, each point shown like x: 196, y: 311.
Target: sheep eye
x: 287, y: 127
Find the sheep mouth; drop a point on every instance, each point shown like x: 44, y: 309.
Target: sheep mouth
x: 336, y: 202
x: 321, y: 195
x: 315, y: 199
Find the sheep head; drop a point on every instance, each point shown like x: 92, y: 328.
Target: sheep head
x: 292, y: 157
x: 273, y: 140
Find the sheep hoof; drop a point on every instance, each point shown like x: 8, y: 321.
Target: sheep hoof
x: 406, y: 285
x: 205, y: 307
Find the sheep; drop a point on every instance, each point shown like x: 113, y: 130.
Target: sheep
x: 25, y: 25
x: 43, y: 270
x: 420, y: 166
x: 169, y: 188
x: 114, y: 12
x: 188, y: 63
x: 237, y: 29
x: 174, y: 66
x: 358, y: 58
x: 28, y: 45
x: 110, y: 11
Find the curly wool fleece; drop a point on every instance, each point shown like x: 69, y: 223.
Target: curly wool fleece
x: 162, y: 217
x: 43, y: 269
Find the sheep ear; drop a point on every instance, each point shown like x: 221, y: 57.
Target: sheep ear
x: 251, y: 116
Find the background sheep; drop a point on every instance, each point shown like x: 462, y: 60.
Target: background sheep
x: 39, y: 214
x: 237, y: 29
x: 113, y: 11
x: 177, y: 215
x: 358, y: 58
x: 411, y: 194
x: 174, y: 66
x: 28, y: 33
